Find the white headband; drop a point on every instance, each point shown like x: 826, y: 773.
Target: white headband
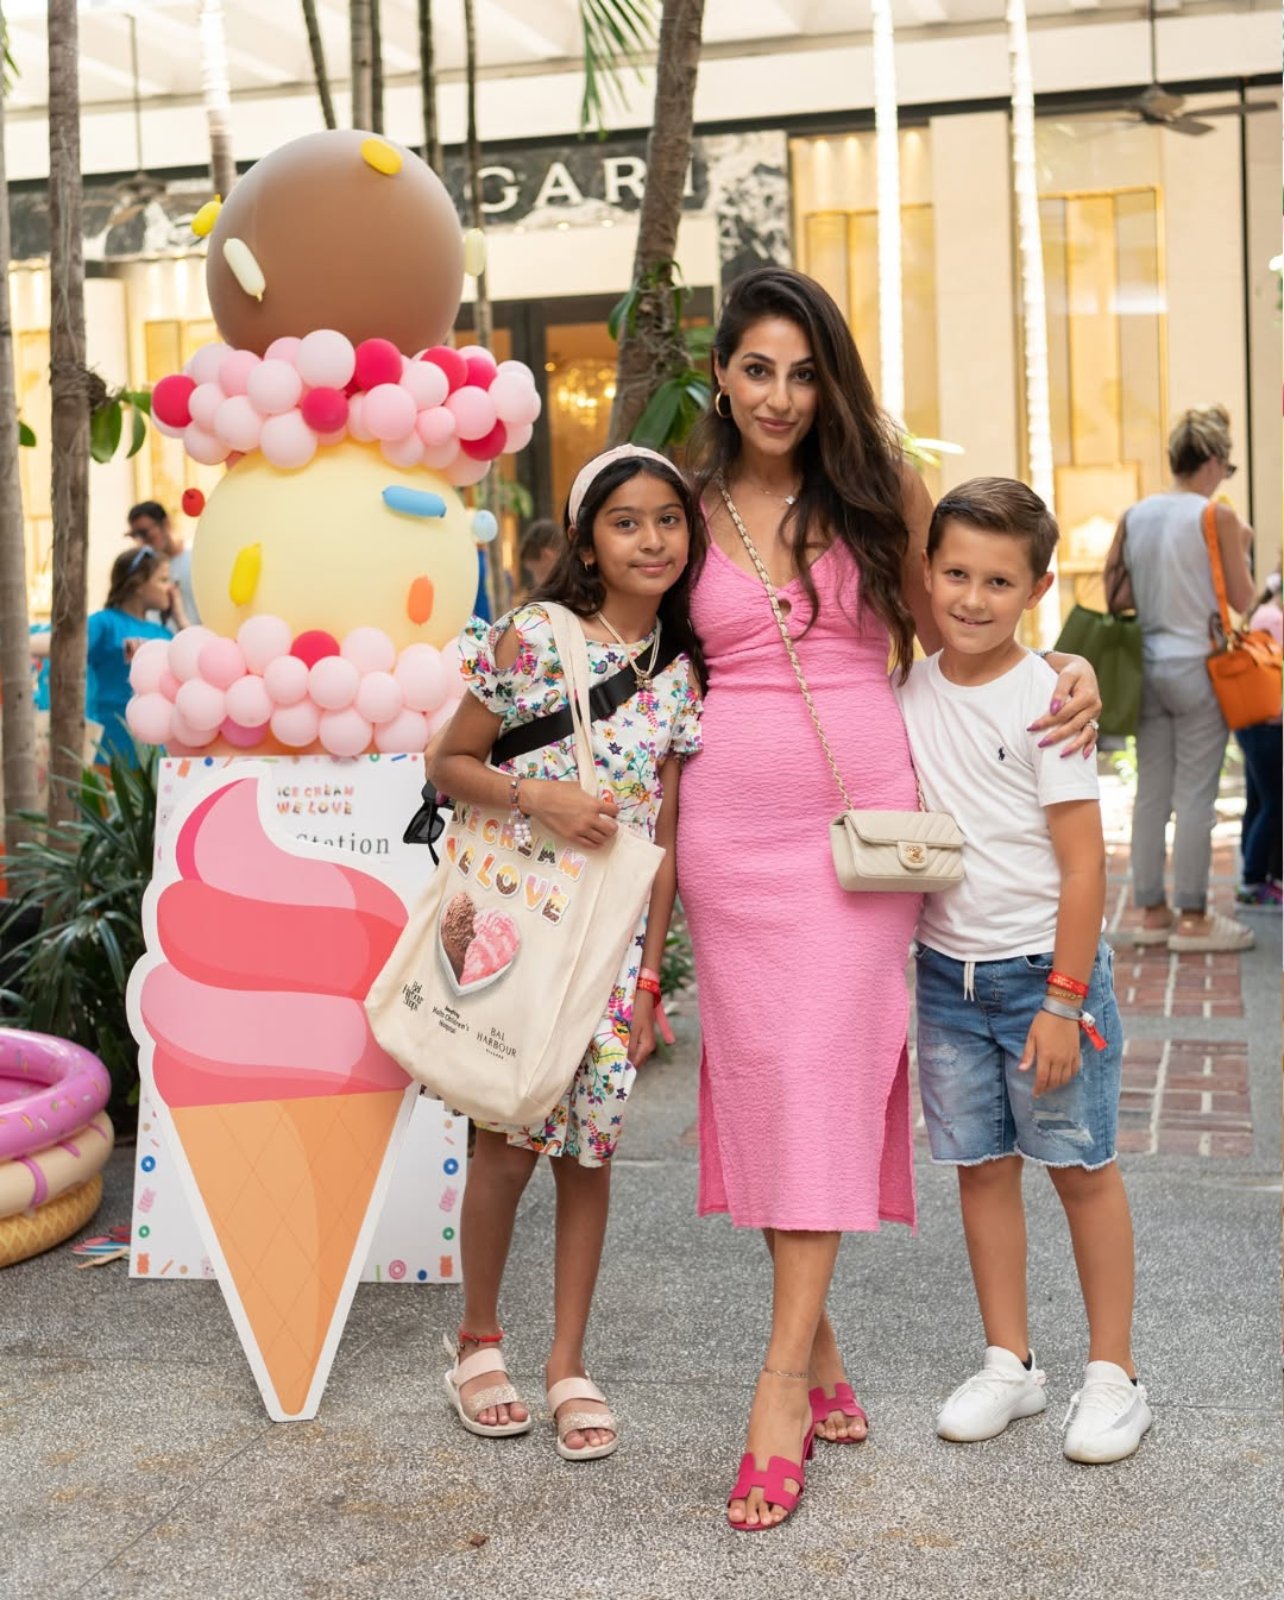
x: 587, y: 476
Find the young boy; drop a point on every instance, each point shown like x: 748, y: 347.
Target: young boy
x: 1019, y: 1039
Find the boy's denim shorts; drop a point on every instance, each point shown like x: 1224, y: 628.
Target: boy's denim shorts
x: 976, y: 1104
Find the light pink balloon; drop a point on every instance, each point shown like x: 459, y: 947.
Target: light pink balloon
x: 148, y: 666
x: 185, y: 651
x: 516, y: 367
x: 326, y: 359
x: 337, y: 437
x: 286, y: 680
x: 262, y: 639
x: 204, y: 447
x: 184, y: 737
x: 426, y: 384
x: 441, y: 717
x: 380, y: 698
x: 333, y: 683
x: 168, y: 685
x: 167, y: 428
x: 519, y: 436
x: 249, y: 703
x: 440, y: 456
x: 200, y: 704
x: 422, y: 677
x: 273, y: 387
x: 437, y: 426
x: 389, y: 411
x: 403, y: 453
x: 238, y: 424
x: 287, y: 441
x: 221, y: 662
x: 234, y: 374
x: 286, y: 348
x: 511, y: 394
x: 534, y: 405
x: 296, y: 725
x: 451, y: 660
x: 203, y: 403
x: 357, y: 420
x: 148, y: 717
x: 345, y: 733
x: 406, y: 734
x: 243, y: 738
x: 465, y: 472
x: 205, y: 365
x: 369, y: 650
x: 474, y: 412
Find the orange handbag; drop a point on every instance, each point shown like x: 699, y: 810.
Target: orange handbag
x: 1245, y: 664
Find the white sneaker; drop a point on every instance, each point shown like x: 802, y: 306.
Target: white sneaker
x: 1107, y: 1417
x: 984, y: 1405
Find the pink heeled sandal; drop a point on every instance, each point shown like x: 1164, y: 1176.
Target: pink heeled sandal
x: 843, y: 1399
x: 771, y: 1480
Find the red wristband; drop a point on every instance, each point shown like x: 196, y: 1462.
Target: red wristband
x: 1059, y: 980
x: 649, y: 985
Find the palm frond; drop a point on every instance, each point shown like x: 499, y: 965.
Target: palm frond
x: 617, y: 33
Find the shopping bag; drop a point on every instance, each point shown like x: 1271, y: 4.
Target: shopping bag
x: 1113, y: 645
x: 503, y: 973
x: 1245, y: 666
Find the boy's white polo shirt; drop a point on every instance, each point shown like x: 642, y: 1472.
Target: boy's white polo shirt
x: 975, y: 760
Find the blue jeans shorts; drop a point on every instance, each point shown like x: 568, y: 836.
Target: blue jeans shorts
x: 977, y: 1105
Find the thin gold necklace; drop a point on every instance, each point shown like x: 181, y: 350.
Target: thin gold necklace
x: 642, y: 673
x: 773, y: 494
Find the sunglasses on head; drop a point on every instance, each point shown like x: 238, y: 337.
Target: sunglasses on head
x: 144, y: 553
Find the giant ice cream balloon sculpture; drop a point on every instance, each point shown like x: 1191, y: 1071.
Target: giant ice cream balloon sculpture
x: 335, y: 562
x: 333, y: 565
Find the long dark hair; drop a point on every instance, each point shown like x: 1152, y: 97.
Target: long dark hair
x: 130, y: 571
x: 579, y: 587
x: 851, y: 457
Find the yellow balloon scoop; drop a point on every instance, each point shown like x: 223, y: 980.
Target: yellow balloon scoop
x: 382, y: 156
x: 245, y: 574
x: 204, y: 220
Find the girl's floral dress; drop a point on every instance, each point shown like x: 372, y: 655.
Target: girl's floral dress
x: 660, y: 721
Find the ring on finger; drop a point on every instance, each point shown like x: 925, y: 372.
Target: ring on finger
x: 1093, y: 724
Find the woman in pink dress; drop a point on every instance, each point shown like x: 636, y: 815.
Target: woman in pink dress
x: 805, y: 1127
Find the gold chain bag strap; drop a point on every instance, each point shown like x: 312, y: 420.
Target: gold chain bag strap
x: 915, y: 851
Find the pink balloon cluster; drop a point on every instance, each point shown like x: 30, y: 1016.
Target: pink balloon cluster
x: 450, y: 410
x: 349, y: 697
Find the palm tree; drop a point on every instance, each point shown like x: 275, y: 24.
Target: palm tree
x: 69, y: 433
x: 217, y: 94
x: 19, y: 725
x: 316, y: 48
x: 361, y: 51
x: 1034, y: 309
x: 651, y: 342
x: 483, y: 319
x: 887, y: 136
x: 428, y: 88
x: 376, y: 67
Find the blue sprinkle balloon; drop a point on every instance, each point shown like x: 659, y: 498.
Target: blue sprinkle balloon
x: 413, y: 502
x: 485, y: 526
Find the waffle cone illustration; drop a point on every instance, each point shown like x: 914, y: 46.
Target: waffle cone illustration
x: 284, y: 1111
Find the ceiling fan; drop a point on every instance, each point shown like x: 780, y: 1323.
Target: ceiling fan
x: 1161, y: 108
x: 135, y: 193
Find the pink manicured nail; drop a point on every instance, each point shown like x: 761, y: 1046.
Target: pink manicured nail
x: 1044, y: 743
x: 1056, y: 706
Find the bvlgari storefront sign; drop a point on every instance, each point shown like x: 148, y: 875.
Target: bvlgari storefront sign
x: 577, y: 180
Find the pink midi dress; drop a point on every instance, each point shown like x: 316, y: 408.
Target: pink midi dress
x: 804, y: 1079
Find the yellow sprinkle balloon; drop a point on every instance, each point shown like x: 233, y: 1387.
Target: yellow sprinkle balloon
x: 245, y: 574
x: 204, y: 220
x: 244, y: 268
x: 382, y: 156
x: 474, y: 252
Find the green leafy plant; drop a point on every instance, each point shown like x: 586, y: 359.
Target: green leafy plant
x: 26, y: 436
x: 616, y: 34
x: 107, y: 420
x: 677, y: 967
x: 684, y: 393
x: 84, y: 879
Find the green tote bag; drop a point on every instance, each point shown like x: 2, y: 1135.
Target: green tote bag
x: 1113, y: 645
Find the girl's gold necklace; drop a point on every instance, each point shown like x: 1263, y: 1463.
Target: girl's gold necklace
x: 634, y: 653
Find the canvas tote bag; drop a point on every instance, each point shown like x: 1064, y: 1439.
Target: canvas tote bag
x: 495, y: 988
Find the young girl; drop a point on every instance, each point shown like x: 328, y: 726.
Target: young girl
x: 634, y: 538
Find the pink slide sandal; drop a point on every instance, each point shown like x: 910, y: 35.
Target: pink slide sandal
x: 843, y: 1399
x: 771, y: 1480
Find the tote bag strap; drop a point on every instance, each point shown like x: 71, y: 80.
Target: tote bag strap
x: 572, y: 652
x: 1208, y: 520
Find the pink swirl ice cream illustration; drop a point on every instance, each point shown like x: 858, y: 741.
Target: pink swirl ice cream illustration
x: 283, y: 1103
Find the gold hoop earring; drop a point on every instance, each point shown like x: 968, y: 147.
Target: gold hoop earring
x: 717, y: 405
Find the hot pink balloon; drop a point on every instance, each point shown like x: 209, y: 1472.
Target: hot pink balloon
x: 426, y: 384
x: 325, y: 411
x: 345, y: 733
x: 234, y: 374
x: 369, y: 650
x: 380, y: 699
x: 273, y: 387
x: 148, y: 666
x: 406, y: 734
x: 286, y: 680
x: 296, y: 725
x: 333, y: 683
x: 481, y: 366
x: 249, y: 703
x: 238, y: 424
x: 389, y: 411
x: 422, y: 677
x: 148, y: 717
x: 204, y: 366
x: 241, y: 737
x: 200, y: 704
x: 171, y: 400
x: 326, y: 359
x: 378, y: 363
x: 488, y: 446
x: 287, y: 441
x: 474, y: 412
x: 262, y: 639
x: 221, y: 662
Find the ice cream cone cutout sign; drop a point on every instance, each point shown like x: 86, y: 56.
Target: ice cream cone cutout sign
x: 283, y: 1113
x: 335, y: 562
